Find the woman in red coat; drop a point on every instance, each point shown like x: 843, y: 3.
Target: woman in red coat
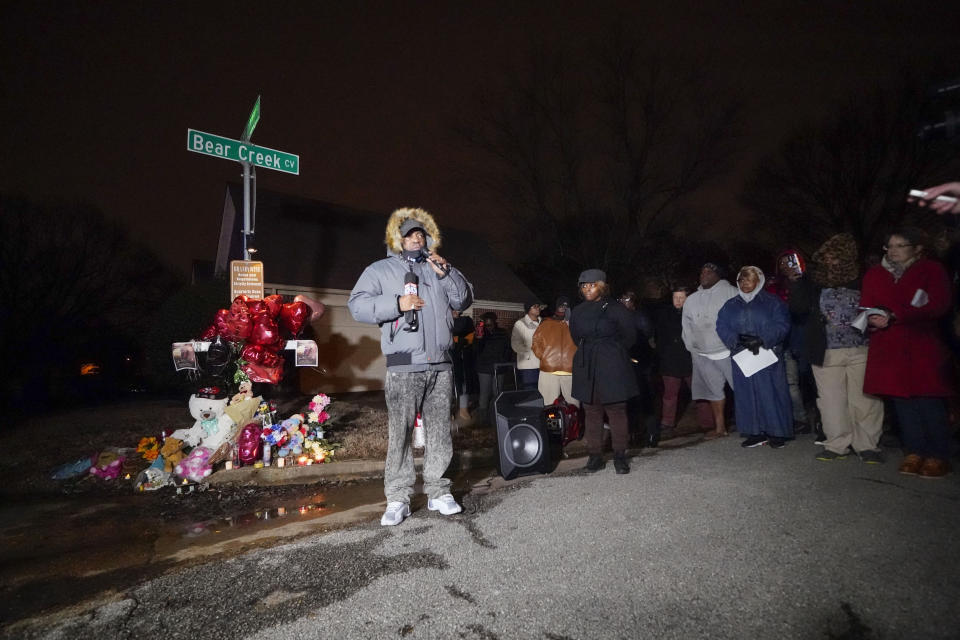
x: 907, y: 360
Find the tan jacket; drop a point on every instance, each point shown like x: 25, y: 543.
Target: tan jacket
x: 554, y: 346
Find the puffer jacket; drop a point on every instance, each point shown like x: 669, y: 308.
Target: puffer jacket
x: 554, y: 347
x: 375, y: 296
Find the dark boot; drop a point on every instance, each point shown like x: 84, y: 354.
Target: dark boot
x: 620, y: 463
x: 595, y: 463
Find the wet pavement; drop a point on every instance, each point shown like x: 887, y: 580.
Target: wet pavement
x: 57, y: 551
x: 711, y: 540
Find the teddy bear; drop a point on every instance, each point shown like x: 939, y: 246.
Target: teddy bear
x: 246, y: 391
x: 172, y: 452
x: 295, y: 436
x: 107, y: 466
x: 196, y: 466
x: 206, y: 407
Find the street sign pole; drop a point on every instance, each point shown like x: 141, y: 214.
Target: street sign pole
x: 252, y: 121
x: 246, y: 209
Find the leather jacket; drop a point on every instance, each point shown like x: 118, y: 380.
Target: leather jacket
x: 554, y: 346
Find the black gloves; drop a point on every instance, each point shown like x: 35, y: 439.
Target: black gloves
x: 751, y: 343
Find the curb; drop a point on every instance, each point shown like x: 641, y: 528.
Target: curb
x: 369, y: 469
x: 333, y: 471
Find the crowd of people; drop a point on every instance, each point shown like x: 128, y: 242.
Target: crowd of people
x: 818, y: 346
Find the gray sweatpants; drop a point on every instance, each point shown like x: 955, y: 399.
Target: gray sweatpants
x: 409, y: 393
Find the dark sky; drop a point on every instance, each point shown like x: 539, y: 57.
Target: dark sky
x: 97, y: 96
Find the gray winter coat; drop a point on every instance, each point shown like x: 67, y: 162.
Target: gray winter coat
x: 374, y: 300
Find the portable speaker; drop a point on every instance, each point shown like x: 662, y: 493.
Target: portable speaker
x: 527, y: 443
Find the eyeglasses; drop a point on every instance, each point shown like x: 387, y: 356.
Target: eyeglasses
x: 904, y: 245
x: 587, y: 285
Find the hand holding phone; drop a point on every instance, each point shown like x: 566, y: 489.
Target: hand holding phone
x: 922, y: 195
x: 793, y: 264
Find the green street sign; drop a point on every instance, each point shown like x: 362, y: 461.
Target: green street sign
x: 229, y: 149
x: 252, y: 121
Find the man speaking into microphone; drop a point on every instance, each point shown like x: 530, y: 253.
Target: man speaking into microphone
x: 410, y: 295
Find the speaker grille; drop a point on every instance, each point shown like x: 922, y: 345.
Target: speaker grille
x: 522, y: 445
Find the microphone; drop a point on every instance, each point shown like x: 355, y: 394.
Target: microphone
x: 410, y: 285
x: 427, y: 255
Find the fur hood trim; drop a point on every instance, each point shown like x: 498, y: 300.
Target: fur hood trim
x: 393, y: 239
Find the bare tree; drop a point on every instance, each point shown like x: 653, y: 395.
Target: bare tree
x: 71, y: 278
x: 850, y: 172
x: 592, y: 150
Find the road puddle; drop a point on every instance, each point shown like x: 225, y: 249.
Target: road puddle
x: 58, y: 551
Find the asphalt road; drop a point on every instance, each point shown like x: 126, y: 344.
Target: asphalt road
x: 708, y: 541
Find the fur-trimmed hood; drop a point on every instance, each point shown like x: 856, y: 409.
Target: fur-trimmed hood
x: 394, y: 240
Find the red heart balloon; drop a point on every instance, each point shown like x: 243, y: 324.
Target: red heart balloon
x: 258, y: 308
x: 252, y: 353
x: 317, y: 308
x: 238, y: 321
x: 238, y: 328
x: 265, y: 331
x: 209, y: 333
x: 271, y: 359
x: 293, y: 315
x: 242, y: 299
x: 262, y: 373
x: 220, y: 322
x: 258, y: 354
x: 274, y: 303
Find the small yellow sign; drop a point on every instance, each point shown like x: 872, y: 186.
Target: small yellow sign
x: 246, y: 278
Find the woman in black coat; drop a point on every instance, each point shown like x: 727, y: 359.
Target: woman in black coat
x: 603, y: 377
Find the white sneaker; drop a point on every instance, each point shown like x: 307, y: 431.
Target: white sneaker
x: 395, y: 513
x: 445, y: 504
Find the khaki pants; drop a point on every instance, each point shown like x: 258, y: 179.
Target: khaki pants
x: 552, y: 385
x: 850, y: 417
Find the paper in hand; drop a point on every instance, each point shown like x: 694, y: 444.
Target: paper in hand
x: 920, y: 298
x: 860, y: 323
x: 749, y: 364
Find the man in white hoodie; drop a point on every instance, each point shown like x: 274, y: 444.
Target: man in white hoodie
x: 711, y: 359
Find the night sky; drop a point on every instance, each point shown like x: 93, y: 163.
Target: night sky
x: 97, y: 96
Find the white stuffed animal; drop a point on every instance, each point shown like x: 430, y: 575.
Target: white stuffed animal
x: 207, y: 409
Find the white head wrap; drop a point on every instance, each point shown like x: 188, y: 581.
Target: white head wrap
x: 747, y: 297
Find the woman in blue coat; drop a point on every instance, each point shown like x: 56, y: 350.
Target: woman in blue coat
x: 752, y: 320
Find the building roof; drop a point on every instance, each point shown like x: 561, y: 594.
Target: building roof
x: 309, y: 243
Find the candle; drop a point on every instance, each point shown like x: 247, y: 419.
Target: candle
x: 281, y: 462
x: 302, y: 460
x: 228, y: 465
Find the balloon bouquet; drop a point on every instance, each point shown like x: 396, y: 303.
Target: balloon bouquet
x: 256, y: 331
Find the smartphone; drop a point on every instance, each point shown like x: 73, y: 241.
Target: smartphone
x: 793, y: 261
x: 916, y: 193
